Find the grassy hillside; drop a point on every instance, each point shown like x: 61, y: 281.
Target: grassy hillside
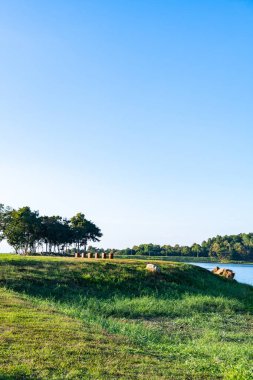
x: 81, y: 319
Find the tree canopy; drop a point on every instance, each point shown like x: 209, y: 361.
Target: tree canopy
x: 27, y: 232
x: 230, y: 247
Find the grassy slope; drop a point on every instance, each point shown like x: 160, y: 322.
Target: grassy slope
x: 72, y: 319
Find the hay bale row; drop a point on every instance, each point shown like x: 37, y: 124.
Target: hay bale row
x: 90, y: 255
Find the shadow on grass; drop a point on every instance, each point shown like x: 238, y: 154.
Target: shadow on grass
x: 69, y: 281
x: 17, y: 376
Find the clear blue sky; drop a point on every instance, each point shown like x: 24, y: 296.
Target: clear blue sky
x: 138, y: 113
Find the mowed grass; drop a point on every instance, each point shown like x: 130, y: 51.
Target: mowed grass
x: 94, y: 319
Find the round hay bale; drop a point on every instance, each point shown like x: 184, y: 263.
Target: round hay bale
x: 153, y: 268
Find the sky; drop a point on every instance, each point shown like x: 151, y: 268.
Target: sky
x: 137, y: 113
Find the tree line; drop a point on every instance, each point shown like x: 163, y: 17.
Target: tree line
x: 28, y: 232
x: 228, y: 247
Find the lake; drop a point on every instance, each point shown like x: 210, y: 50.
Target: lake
x: 243, y: 272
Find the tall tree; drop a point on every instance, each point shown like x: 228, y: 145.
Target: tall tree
x: 84, y: 230
x: 22, y: 229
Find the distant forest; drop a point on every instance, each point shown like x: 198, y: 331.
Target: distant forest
x: 29, y: 233
x: 232, y: 247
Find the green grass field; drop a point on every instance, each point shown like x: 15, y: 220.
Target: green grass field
x: 87, y: 319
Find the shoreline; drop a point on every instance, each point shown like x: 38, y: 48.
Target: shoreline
x: 188, y: 259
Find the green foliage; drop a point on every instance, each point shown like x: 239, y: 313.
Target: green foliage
x: 233, y: 247
x: 26, y: 231
x: 55, y: 232
x: 22, y: 229
x: 84, y: 230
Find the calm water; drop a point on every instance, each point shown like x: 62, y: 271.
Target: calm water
x: 243, y: 272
